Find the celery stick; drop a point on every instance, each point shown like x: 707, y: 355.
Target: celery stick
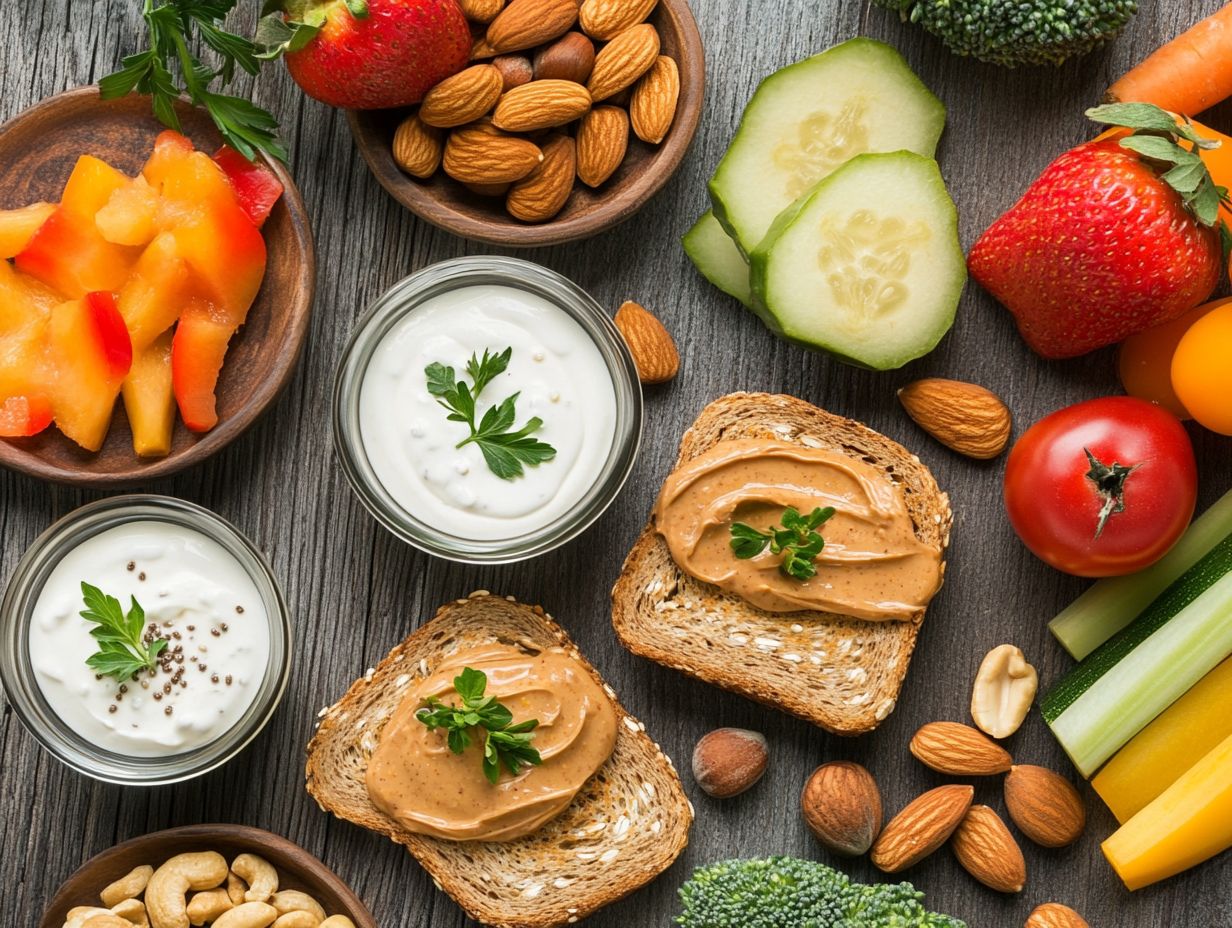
x: 1109, y: 605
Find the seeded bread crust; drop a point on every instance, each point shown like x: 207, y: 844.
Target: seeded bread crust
x: 626, y: 826
x: 836, y: 671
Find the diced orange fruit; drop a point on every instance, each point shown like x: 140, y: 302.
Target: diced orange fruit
x: 157, y: 291
x: 22, y: 416
x: 197, y: 355
x: 169, y: 149
x: 130, y: 216
x: 25, y: 399
x: 256, y: 187
x: 93, y: 354
x: 17, y: 226
x: 148, y: 399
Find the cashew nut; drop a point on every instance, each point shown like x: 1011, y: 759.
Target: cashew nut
x: 236, y: 888
x: 292, y: 900
x: 165, y: 894
x: 259, y: 874
x: 133, y: 911
x: 77, y: 915
x: 129, y: 886
x: 206, y: 906
x: 300, y: 918
x: 109, y: 920
x: 1003, y: 692
x: 248, y: 915
x: 337, y: 921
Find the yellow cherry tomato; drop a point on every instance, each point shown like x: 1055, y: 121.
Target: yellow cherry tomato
x: 1144, y: 362
x: 1201, y: 372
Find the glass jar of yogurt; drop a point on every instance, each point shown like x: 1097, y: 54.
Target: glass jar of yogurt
x: 487, y: 410
x: 186, y: 669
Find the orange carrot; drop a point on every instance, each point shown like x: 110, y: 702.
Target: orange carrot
x: 1188, y: 75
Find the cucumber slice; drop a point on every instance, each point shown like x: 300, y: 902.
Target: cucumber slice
x: 867, y: 265
x: 809, y: 118
x: 711, y: 249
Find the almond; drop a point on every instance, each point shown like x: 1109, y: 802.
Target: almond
x: 653, y: 349
x: 922, y: 827
x: 959, y: 750
x: 527, y: 23
x: 602, y: 140
x: 728, y: 761
x: 623, y: 60
x: 515, y: 70
x: 987, y: 850
x: 543, y: 192
x: 541, y: 105
x: 417, y: 148
x: 480, y: 49
x: 1055, y: 915
x: 1045, y: 806
x: 489, y: 190
x: 481, y: 11
x: 606, y: 19
x: 653, y: 104
x: 962, y: 416
x: 842, y: 808
x: 569, y: 58
x: 481, y: 155
x: 462, y: 98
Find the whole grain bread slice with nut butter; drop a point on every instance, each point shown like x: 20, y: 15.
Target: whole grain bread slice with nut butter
x: 838, y: 672
x: 627, y: 825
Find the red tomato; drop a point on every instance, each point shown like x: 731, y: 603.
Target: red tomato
x: 1102, y: 488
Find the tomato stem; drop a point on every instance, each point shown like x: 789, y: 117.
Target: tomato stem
x: 1109, y: 480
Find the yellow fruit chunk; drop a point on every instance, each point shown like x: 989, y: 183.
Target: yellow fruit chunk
x: 1191, y: 821
x: 148, y: 399
x: 17, y: 226
x: 131, y: 214
x: 1179, y: 738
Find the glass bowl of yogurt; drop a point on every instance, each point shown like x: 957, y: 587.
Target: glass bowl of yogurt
x: 487, y: 410
x: 145, y: 640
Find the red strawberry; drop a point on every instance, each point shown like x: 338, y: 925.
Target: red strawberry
x: 1102, y: 246
x: 373, y: 54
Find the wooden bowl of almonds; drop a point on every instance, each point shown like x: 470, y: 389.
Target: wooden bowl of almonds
x: 569, y: 118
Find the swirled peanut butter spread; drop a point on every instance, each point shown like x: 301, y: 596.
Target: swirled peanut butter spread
x: 417, y: 781
x: 872, y: 566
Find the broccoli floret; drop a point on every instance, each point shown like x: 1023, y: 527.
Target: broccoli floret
x: 1014, y: 32
x: 786, y: 892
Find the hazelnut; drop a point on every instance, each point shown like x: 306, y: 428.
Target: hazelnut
x: 569, y: 58
x: 842, y: 807
x: 515, y: 70
x: 728, y: 761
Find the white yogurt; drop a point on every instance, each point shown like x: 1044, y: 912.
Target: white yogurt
x: 203, y: 602
x: 559, y: 376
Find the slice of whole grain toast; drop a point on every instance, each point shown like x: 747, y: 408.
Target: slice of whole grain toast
x: 836, y: 671
x: 625, y: 827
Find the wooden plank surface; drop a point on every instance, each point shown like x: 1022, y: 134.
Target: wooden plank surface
x: 355, y: 590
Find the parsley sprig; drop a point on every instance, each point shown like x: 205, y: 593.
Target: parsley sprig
x: 122, y: 649
x: 171, y: 24
x: 797, y: 540
x: 505, y: 449
x: 504, y: 744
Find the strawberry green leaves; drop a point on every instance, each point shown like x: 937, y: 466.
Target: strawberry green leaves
x: 798, y: 541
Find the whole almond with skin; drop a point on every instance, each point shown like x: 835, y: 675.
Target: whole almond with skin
x: 606, y: 19
x: 481, y: 11
x: 480, y: 155
x: 1055, y: 915
x: 542, y: 194
x: 417, y: 148
x: 541, y: 105
x: 728, y: 761
x: 623, y: 60
x: 653, y: 104
x: 515, y: 70
x: 462, y: 98
x: 481, y: 49
x: 527, y: 23
x: 569, y: 58
x: 986, y: 849
x: 652, y: 346
x: 842, y: 808
x: 922, y: 827
x: 602, y: 140
x: 959, y: 750
x: 489, y: 190
x: 1045, y: 806
x: 964, y: 417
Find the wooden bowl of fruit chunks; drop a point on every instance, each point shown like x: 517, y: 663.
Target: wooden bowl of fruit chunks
x: 154, y: 290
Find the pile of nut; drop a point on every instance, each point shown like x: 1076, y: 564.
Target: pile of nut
x: 200, y: 889
x: 544, y: 104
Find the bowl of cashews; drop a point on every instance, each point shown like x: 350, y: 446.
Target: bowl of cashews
x: 218, y: 876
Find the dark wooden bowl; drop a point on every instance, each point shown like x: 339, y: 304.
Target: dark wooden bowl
x: 297, y: 869
x: 444, y: 202
x: 38, y: 149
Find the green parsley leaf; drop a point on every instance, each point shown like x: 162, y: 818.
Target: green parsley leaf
x: 506, y: 451
x: 798, y: 541
x: 123, y: 650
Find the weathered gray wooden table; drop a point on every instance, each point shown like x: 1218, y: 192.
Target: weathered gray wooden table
x: 355, y: 590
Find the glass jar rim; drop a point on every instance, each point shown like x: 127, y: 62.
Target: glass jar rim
x: 17, y: 672
x: 405, y: 297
